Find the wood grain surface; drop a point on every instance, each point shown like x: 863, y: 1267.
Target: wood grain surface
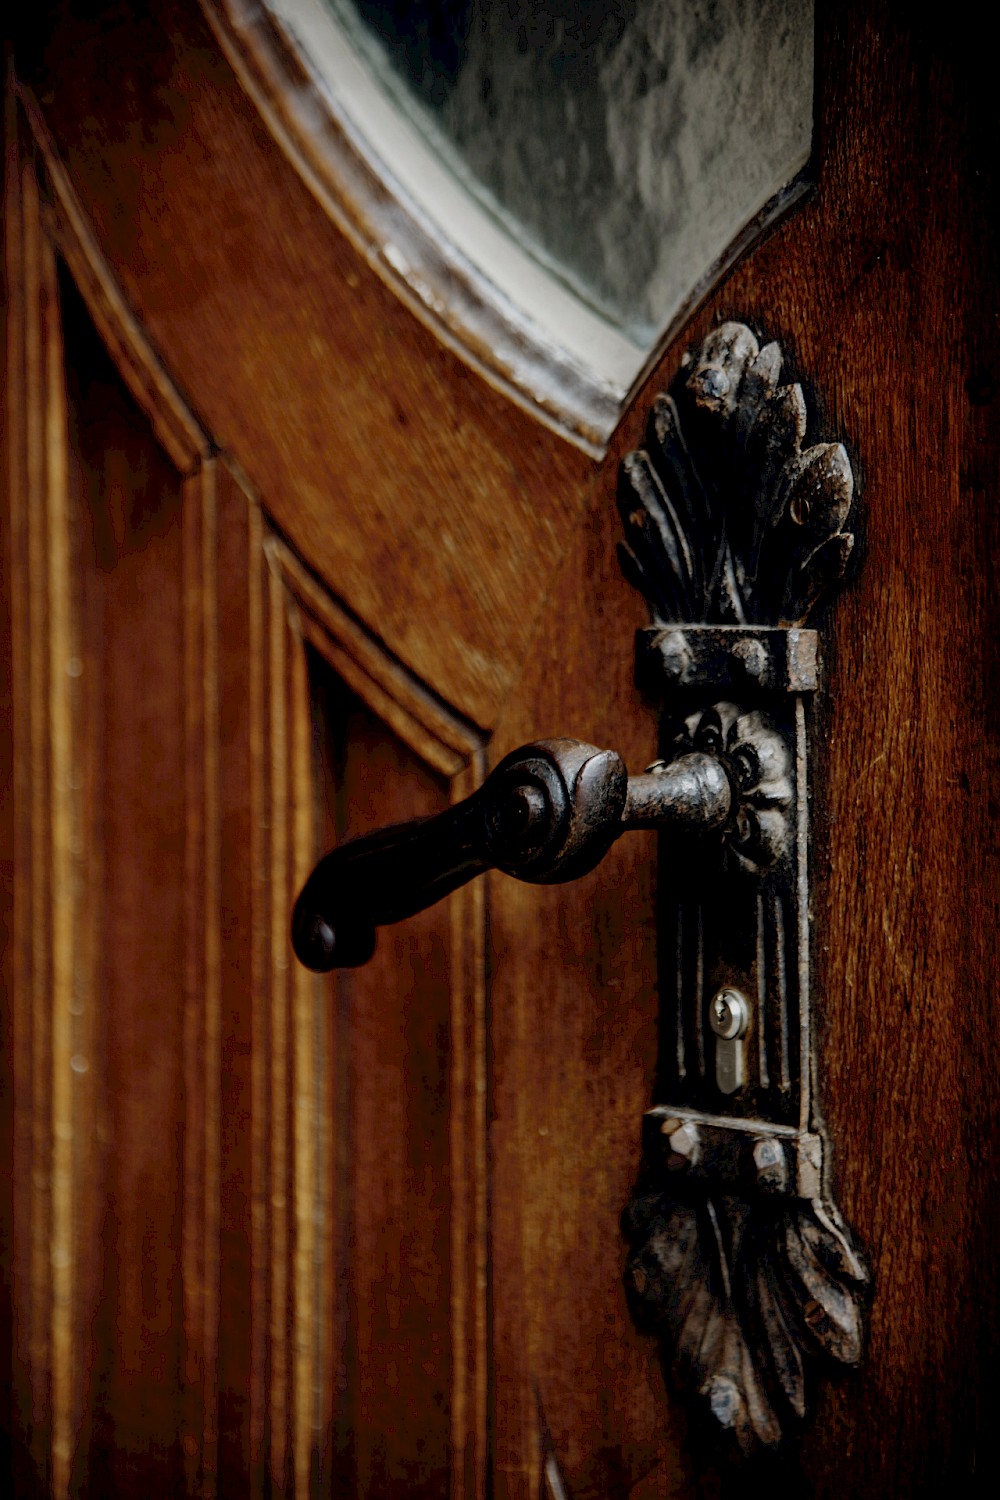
x: 256, y: 300
x: 884, y: 291
x: 460, y: 559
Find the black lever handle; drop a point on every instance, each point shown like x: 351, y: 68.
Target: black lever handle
x: 548, y: 813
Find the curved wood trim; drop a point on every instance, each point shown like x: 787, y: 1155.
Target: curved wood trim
x: 439, y: 285
x: 181, y: 435
x: 234, y: 572
x: 426, y: 725
x: 303, y: 612
x: 56, y: 852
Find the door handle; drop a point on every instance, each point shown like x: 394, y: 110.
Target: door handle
x: 547, y: 814
x: 738, y: 1260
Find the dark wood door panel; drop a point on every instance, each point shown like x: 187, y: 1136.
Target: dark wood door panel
x: 248, y: 1209
x: 125, y: 808
x: 878, y: 288
x: 101, y: 966
x: 250, y: 293
x: 575, y: 1022
x: 387, y: 1340
x: 266, y: 1233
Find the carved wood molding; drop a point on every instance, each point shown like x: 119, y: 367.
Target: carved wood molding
x: 437, y: 283
x: 66, y: 226
x: 312, y: 618
x: 559, y: 380
x: 245, y: 1033
x: 62, y: 1118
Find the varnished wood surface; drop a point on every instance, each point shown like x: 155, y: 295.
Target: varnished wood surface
x: 390, y: 1106
x: 444, y: 288
x: 907, y: 854
x: 884, y: 291
x: 189, y: 1224
x: 251, y: 295
x: 480, y: 549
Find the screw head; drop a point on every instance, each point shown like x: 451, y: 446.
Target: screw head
x: 752, y: 658
x: 675, y: 656
x: 770, y: 1165
x: 683, y: 1144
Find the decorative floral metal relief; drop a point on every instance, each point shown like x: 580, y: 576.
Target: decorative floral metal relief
x: 727, y: 519
x: 738, y: 1258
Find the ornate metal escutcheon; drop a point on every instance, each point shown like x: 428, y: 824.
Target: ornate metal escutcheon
x: 738, y: 1259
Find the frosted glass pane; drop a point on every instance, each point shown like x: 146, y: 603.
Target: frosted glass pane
x: 625, y: 146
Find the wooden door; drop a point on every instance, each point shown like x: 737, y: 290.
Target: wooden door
x: 280, y: 567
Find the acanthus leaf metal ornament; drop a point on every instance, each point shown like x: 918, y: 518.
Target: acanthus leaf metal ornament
x: 727, y: 519
x: 738, y: 1258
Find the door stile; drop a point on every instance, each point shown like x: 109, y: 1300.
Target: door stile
x: 249, y: 1260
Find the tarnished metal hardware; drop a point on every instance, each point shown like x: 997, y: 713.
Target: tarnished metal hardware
x: 736, y: 1156
x: 548, y: 813
x: 734, y: 658
x: 738, y: 1259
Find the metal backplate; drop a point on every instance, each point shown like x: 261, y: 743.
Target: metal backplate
x: 738, y: 1259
